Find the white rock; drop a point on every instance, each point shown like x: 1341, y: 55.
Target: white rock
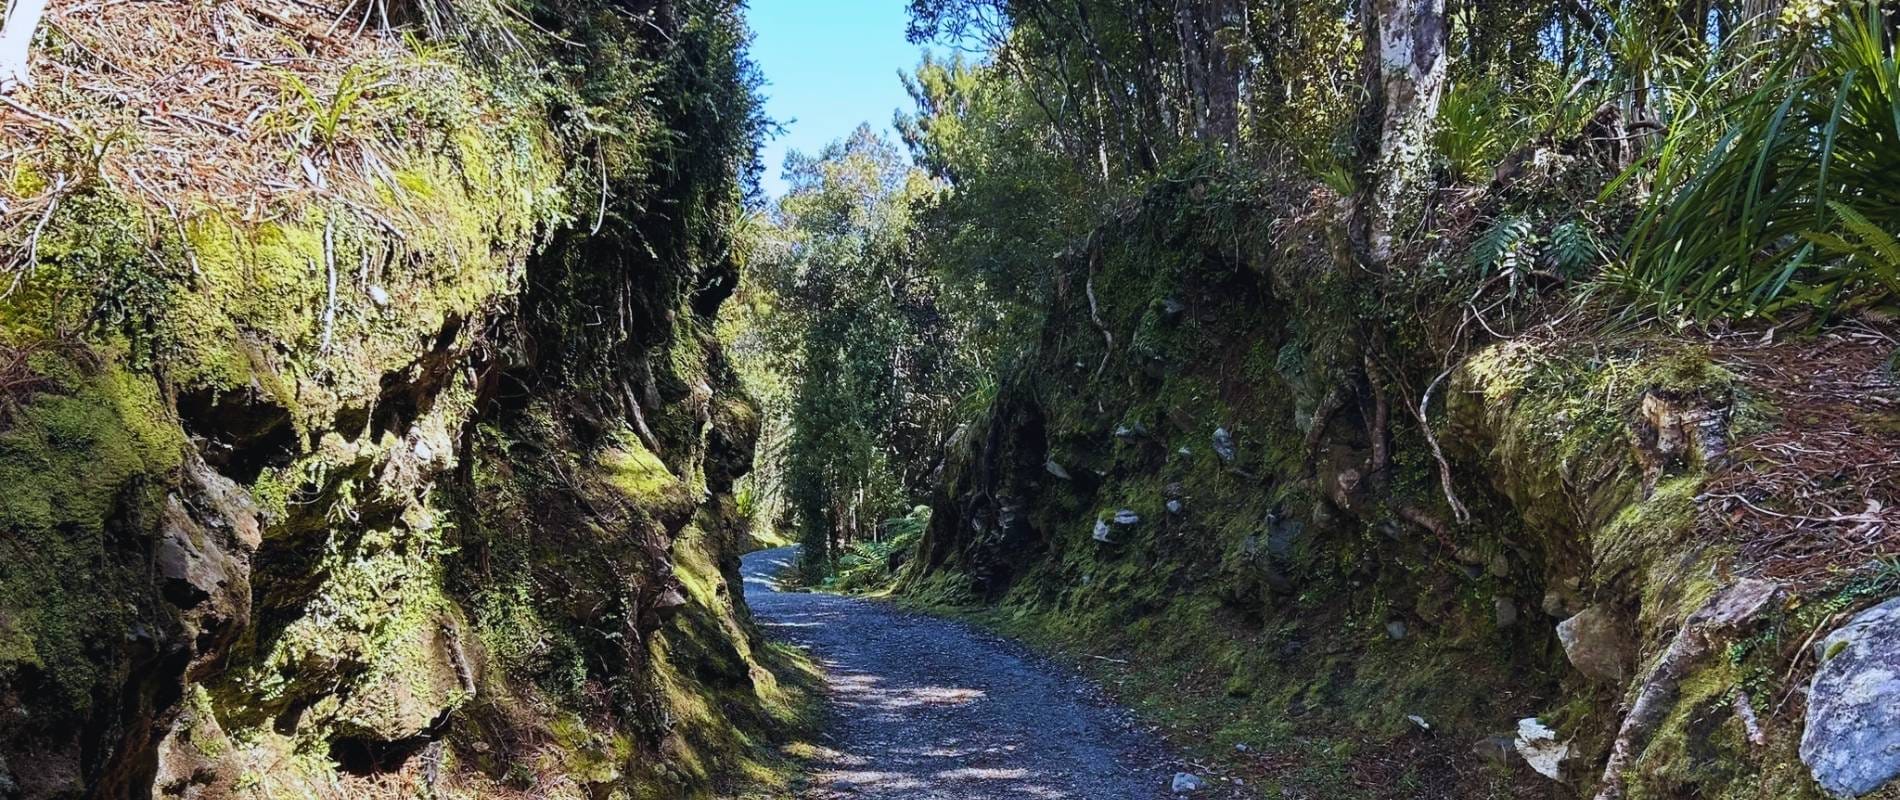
x: 1539, y: 746
x: 379, y: 296
x: 1224, y: 445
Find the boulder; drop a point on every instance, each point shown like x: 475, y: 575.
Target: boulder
x: 1055, y: 469
x: 1596, y: 644
x: 1852, y: 740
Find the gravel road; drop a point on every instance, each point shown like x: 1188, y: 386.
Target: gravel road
x: 929, y: 709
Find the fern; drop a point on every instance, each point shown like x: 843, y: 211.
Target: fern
x: 1573, y: 248
x: 1871, y: 248
x: 1874, y: 240
x: 1503, y: 246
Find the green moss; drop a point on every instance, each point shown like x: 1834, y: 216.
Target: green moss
x: 637, y: 472
x: 91, y: 452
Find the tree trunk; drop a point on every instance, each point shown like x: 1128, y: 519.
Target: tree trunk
x: 16, y: 38
x: 1212, y: 74
x: 1404, y: 74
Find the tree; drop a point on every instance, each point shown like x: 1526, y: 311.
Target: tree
x: 16, y: 40
x: 873, y: 355
x: 1404, y: 77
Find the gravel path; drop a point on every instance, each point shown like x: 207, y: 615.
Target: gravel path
x: 929, y: 709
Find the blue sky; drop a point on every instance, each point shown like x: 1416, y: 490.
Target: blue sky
x: 829, y: 65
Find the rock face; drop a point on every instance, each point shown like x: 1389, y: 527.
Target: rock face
x: 1596, y: 644
x: 1852, y: 739
x: 279, y: 535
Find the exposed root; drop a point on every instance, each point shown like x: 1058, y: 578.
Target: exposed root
x: 1458, y: 511
x: 1095, y: 316
x: 1709, y: 629
x: 1381, y: 453
x: 1329, y: 405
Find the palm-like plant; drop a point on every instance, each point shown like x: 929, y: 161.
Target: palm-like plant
x: 1777, y: 214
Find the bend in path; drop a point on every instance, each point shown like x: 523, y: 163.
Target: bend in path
x: 929, y: 709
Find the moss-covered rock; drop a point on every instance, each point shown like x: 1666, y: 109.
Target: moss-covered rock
x: 413, y: 471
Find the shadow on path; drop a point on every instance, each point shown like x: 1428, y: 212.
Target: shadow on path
x: 929, y: 709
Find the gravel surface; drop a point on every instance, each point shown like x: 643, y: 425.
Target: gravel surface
x: 927, y: 709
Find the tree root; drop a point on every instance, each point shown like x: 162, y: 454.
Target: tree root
x: 1458, y: 511
x: 1707, y: 630
x: 1381, y: 453
x: 1322, y: 414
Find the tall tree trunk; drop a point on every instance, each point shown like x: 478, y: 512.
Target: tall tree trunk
x: 1212, y: 73
x: 16, y: 38
x: 1404, y: 75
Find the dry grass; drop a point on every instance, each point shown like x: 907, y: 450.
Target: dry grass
x: 1817, y: 495
x: 255, y: 106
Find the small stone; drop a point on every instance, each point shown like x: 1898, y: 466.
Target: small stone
x: 1127, y: 517
x: 1187, y: 783
x: 1102, y: 532
x: 1395, y: 629
x: 1055, y: 469
x: 843, y: 785
x: 1241, y: 747
x: 1562, y: 599
x: 1224, y: 445
x: 1506, y: 612
x: 1594, y: 641
x: 379, y: 296
x: 1495, y: 749
x: 1184, y: 451
x: 1419, y: 721
x: 1499, y: 566
x: 1554, y: 604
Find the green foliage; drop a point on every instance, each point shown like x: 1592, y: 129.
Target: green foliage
x: 1471, y: 130
x: 1776, y: 213
x: 868, y: 565
x: 876, y: 361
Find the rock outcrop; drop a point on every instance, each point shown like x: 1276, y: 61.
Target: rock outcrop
x: 391, y: 456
